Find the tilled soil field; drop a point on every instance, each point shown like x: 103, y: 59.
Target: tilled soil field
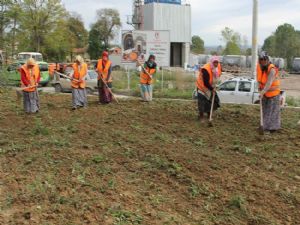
x: 140, y: 163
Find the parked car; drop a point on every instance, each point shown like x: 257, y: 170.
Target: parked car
x: 62, y: 84
x: 241, y: 91
x: 15, y: 78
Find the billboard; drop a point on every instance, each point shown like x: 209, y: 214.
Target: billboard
x: 139, y: 45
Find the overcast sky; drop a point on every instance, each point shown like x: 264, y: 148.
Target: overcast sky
x: 209, y: 17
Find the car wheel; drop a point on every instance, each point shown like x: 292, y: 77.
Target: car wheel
x: 58, y: 88
x: 89, y: 91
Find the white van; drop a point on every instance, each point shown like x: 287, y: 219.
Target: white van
x: 24, y: 56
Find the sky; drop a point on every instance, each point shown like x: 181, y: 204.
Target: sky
x: 209, y: 17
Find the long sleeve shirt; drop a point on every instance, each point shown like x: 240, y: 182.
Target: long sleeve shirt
x: 205, y: 75
x: 271, y: 78
x: 24, y: 79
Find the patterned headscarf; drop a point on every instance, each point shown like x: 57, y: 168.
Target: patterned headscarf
x: 215, y: 70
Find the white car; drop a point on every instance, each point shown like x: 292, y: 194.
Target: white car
x: 241, y: 91
x: 62, y: 84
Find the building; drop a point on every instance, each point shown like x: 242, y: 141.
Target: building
x: 169, y: 15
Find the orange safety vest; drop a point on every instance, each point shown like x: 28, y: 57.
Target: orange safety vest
x: 51, y: 68
x: 262, y: 79
x: 79, y: 74
x: 31, y: 76
x: 145, y: 78
x: 103, y: 71
x: 200, y: 82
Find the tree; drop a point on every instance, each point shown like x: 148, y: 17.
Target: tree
x: 77, y: 34
x: 96, y: 45
x: 232, y: 40
x: 108, y: 23
x: 197, y: 45
x: 270, y: 45
x: 3, y: 20
x: 232, y: 49
x: 284, y: 43
x: 14, y: 16
x: 39, y: 18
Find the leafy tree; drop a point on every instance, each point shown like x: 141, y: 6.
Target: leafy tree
x: 270, y: 45
x: 39, y: 19
x: 284, y: 43
x: 77, y: 34
x: 232, y: 40
x: 232, y: 49
x: 197, y: 45
x: 108, y: 23
x: 96, y: 45
x: 4, y: 20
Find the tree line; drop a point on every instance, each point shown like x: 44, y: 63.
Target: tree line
x: 283, y: 43
x: 46, y: 26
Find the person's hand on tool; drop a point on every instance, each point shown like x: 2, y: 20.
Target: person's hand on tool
x: 261, y: 95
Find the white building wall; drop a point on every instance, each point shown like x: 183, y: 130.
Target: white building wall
x: 176, y: 18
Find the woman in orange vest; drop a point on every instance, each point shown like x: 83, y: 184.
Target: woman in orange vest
x: 104, y: 69
x: 30, y: 78
x: 269, y: 87
x: 207, y: 81
x: 146, y: 79
x: 80, y: 70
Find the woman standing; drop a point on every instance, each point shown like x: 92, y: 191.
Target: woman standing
x: 30, y: 77
x: 146, y: 79
x: 104, y: 69
x: 79, y: 98
x: 207, y: 81
x: 269, y: 86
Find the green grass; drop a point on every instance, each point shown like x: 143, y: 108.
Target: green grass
x: 174, y: 84
x: 292, y: 101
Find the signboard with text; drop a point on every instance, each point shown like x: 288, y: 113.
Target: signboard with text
x: 139, y: 45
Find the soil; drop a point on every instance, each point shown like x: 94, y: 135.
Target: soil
x: 145, y: 163
x: 291, y: 85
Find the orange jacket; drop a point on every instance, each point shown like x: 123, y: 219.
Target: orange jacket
x: 32, y: 77
x: 262, y: 79
x: 103, y: 71
x: 200, y: 83
x: 145, y: 78
x: 79, y: 75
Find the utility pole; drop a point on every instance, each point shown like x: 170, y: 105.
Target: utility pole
x: 254, y: 38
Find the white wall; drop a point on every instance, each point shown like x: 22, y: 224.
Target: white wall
x: 176, y: 18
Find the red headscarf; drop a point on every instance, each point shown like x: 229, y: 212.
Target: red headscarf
x: 104, y: 55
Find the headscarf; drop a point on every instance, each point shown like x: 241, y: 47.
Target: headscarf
x: 264, y: 56
x: 79, y: 59
x: 215, y: 70
x: 30, y: 62
x: 151, y: 65
x: 104, y: 54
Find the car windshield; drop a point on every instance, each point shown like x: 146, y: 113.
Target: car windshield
x: 228, y: 86
x: 93, y: 75
x: 24, y: 57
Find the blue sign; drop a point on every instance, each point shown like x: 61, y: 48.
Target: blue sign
x: 178, y: 2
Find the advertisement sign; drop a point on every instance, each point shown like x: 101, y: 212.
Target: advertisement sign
x: 139, y: 45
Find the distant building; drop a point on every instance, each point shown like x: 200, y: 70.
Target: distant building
x: 169, y: 15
